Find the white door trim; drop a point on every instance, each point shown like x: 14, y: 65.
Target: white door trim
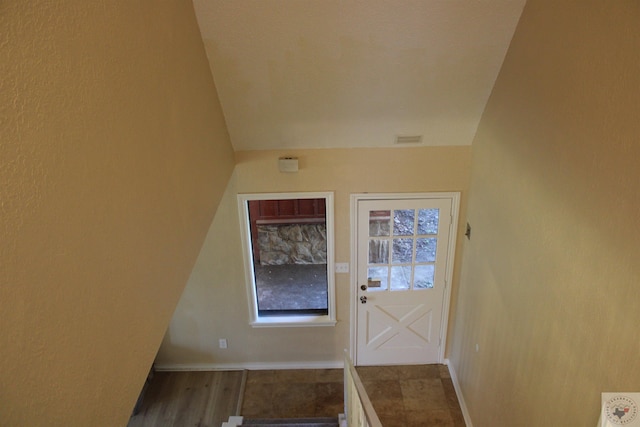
x: 353, y: 282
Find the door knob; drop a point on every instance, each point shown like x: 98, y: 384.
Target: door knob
x: 363, y: 300
x: 363, y: 287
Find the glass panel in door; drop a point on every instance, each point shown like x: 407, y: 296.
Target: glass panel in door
x: 402, y: 251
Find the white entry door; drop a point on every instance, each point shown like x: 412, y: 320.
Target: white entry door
x: 402, y: 256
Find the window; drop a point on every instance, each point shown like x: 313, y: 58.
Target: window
x: 288, y: 253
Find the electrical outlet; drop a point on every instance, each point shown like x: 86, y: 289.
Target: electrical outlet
x: 222, y: 343
x: 342, y: 267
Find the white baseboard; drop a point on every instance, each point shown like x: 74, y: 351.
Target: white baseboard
x: 252, y: 366
x: 456, y: 386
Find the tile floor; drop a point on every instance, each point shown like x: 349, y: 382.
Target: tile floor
x: 293, y: 393
x: 403, y: 396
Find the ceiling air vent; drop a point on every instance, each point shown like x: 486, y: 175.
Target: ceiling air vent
x: 409, y: 139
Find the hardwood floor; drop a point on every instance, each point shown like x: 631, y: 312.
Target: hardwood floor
x: 194, y: 399
x: 403, y: 396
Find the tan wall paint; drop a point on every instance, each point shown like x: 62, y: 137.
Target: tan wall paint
x: 214, y: 304
x: 549, y: 287
x: 113, y: 157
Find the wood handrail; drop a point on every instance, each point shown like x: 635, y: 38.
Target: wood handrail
x: 359, y: 411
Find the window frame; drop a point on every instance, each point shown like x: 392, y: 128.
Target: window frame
x: 303, y: 320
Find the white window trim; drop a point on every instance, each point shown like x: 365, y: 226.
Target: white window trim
x: 257, y: 321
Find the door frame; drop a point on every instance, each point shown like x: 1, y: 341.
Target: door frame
x: 353, y: 281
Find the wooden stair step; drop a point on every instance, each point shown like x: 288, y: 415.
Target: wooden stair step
x: 292, y: 422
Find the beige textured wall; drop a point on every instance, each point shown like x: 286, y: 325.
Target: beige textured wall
x: 113, y: 157
x: 549, y: 287
x: 214, y: 304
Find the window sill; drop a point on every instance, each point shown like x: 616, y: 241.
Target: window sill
x: 292, y: 321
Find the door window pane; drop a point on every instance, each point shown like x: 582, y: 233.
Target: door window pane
x: 403, y: 222
x: 424, y: 277
x: 428, y: 221
x: 425, y: 250
x: 378, y: 251
x: 379, y: 223
x: 400, y: 278
x: 378, y: 275
x: 402, y: 251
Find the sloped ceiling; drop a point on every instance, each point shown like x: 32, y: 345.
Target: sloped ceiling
x: 327, y: 73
